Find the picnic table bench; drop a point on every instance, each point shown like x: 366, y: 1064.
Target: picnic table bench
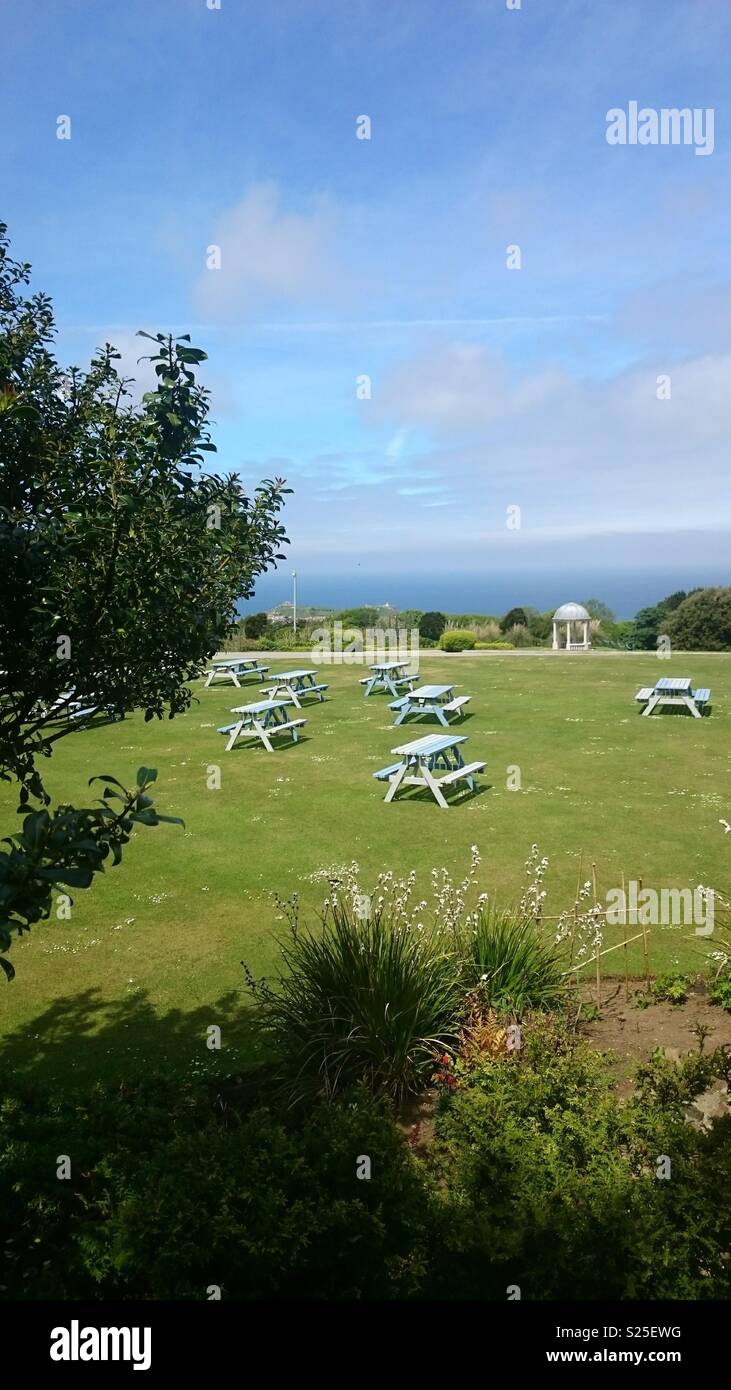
x: 386, y: 677
x: 674, y: 690
x: 70, y: 705
x: 430, y: 699
x: 295, y: 685
x: 234, y: 670
x: 434, y: 761
x: 262, y: 720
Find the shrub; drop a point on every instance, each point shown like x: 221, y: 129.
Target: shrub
x: 720, y: 991
x: 520, y: 636
x: 540, y: 1176
x: 285, y: 639
x: 364, y: 1000
x: 457, y: 640
x: 619, y: 636
x: 512, y: 967
x: 549, y: 1182
x: 494, y: 647
x: 255, y: 625
x: 167, y: 1197
x: 671, y: 987
x: 432, y: 625
x: 513, y: 618
x: 360, y: 617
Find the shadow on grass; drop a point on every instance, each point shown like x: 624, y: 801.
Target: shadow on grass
x: 423, y: 796
x: 86, y: 1037
x: 277, y: 746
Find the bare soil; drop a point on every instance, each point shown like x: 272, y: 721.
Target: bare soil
x: 630, y: 1033
x: 626, y: 1032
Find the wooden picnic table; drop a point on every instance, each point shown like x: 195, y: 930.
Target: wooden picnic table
x: 429, y: 699
x: 673, y: 690
x: 386, y: 677
x: 296, y: 685
x: 434, y: 761
x: 261, y: 720
x: 235, y: 668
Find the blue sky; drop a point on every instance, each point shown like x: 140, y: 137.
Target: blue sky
x: 491, y: 388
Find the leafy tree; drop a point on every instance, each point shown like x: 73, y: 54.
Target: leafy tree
x: 540, y: 625
x: 618, y: 635
x: 409, y: 617
x: 255, y: 625
x: 667, y: 605
x: 432, y: 625
x: 646, y: 628
x: 121, y: 565
x: 515, y: 617
x: 702, y: 622
x: 599, y: 610
x: 360, y: 617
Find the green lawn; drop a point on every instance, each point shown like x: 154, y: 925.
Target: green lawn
x: 152, y: 955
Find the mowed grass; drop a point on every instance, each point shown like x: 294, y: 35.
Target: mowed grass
x: 151, y: 956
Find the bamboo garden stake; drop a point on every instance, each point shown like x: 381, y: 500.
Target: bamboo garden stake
x: 624, y: 936
x: 598, y: 973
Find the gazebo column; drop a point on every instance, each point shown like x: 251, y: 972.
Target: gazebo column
x: 555, y: 635
x: 568, y: 633
x: 586, y: 633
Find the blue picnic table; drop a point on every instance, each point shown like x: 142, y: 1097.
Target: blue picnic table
x: 296, y: 685
x: 430, y: 699
x: 434, y: 761
x: 262, y: 720
x: 234, y: 670
x: 673, y: 690
x: 388, y: 675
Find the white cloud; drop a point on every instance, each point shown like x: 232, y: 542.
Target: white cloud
x: 271, y: 255
x: 570, y: 450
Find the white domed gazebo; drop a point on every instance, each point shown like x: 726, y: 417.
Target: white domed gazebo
x: 568, y: 617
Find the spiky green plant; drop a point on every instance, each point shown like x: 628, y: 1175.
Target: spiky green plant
x: 368, y: 1000
x: 513, y: 967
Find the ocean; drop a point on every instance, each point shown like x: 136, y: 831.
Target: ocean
x: 485, y: 592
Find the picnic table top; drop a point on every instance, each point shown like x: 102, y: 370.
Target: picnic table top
x: 389, y: 665
x: 673, y: 683
x: 260, y: 707
x: 429, y: 692
x: 238, y: 661
x: 282, y: 676
x: 430, y: 743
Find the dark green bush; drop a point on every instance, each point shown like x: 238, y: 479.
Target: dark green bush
x: 256, y: 625
x: 539, y: 1176
x: 513, y: 618
x: 432, y: 625
x: 167, y: 1198
x: 548, y: 1182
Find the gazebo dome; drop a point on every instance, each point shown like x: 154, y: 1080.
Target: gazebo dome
x: 571, y: 612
